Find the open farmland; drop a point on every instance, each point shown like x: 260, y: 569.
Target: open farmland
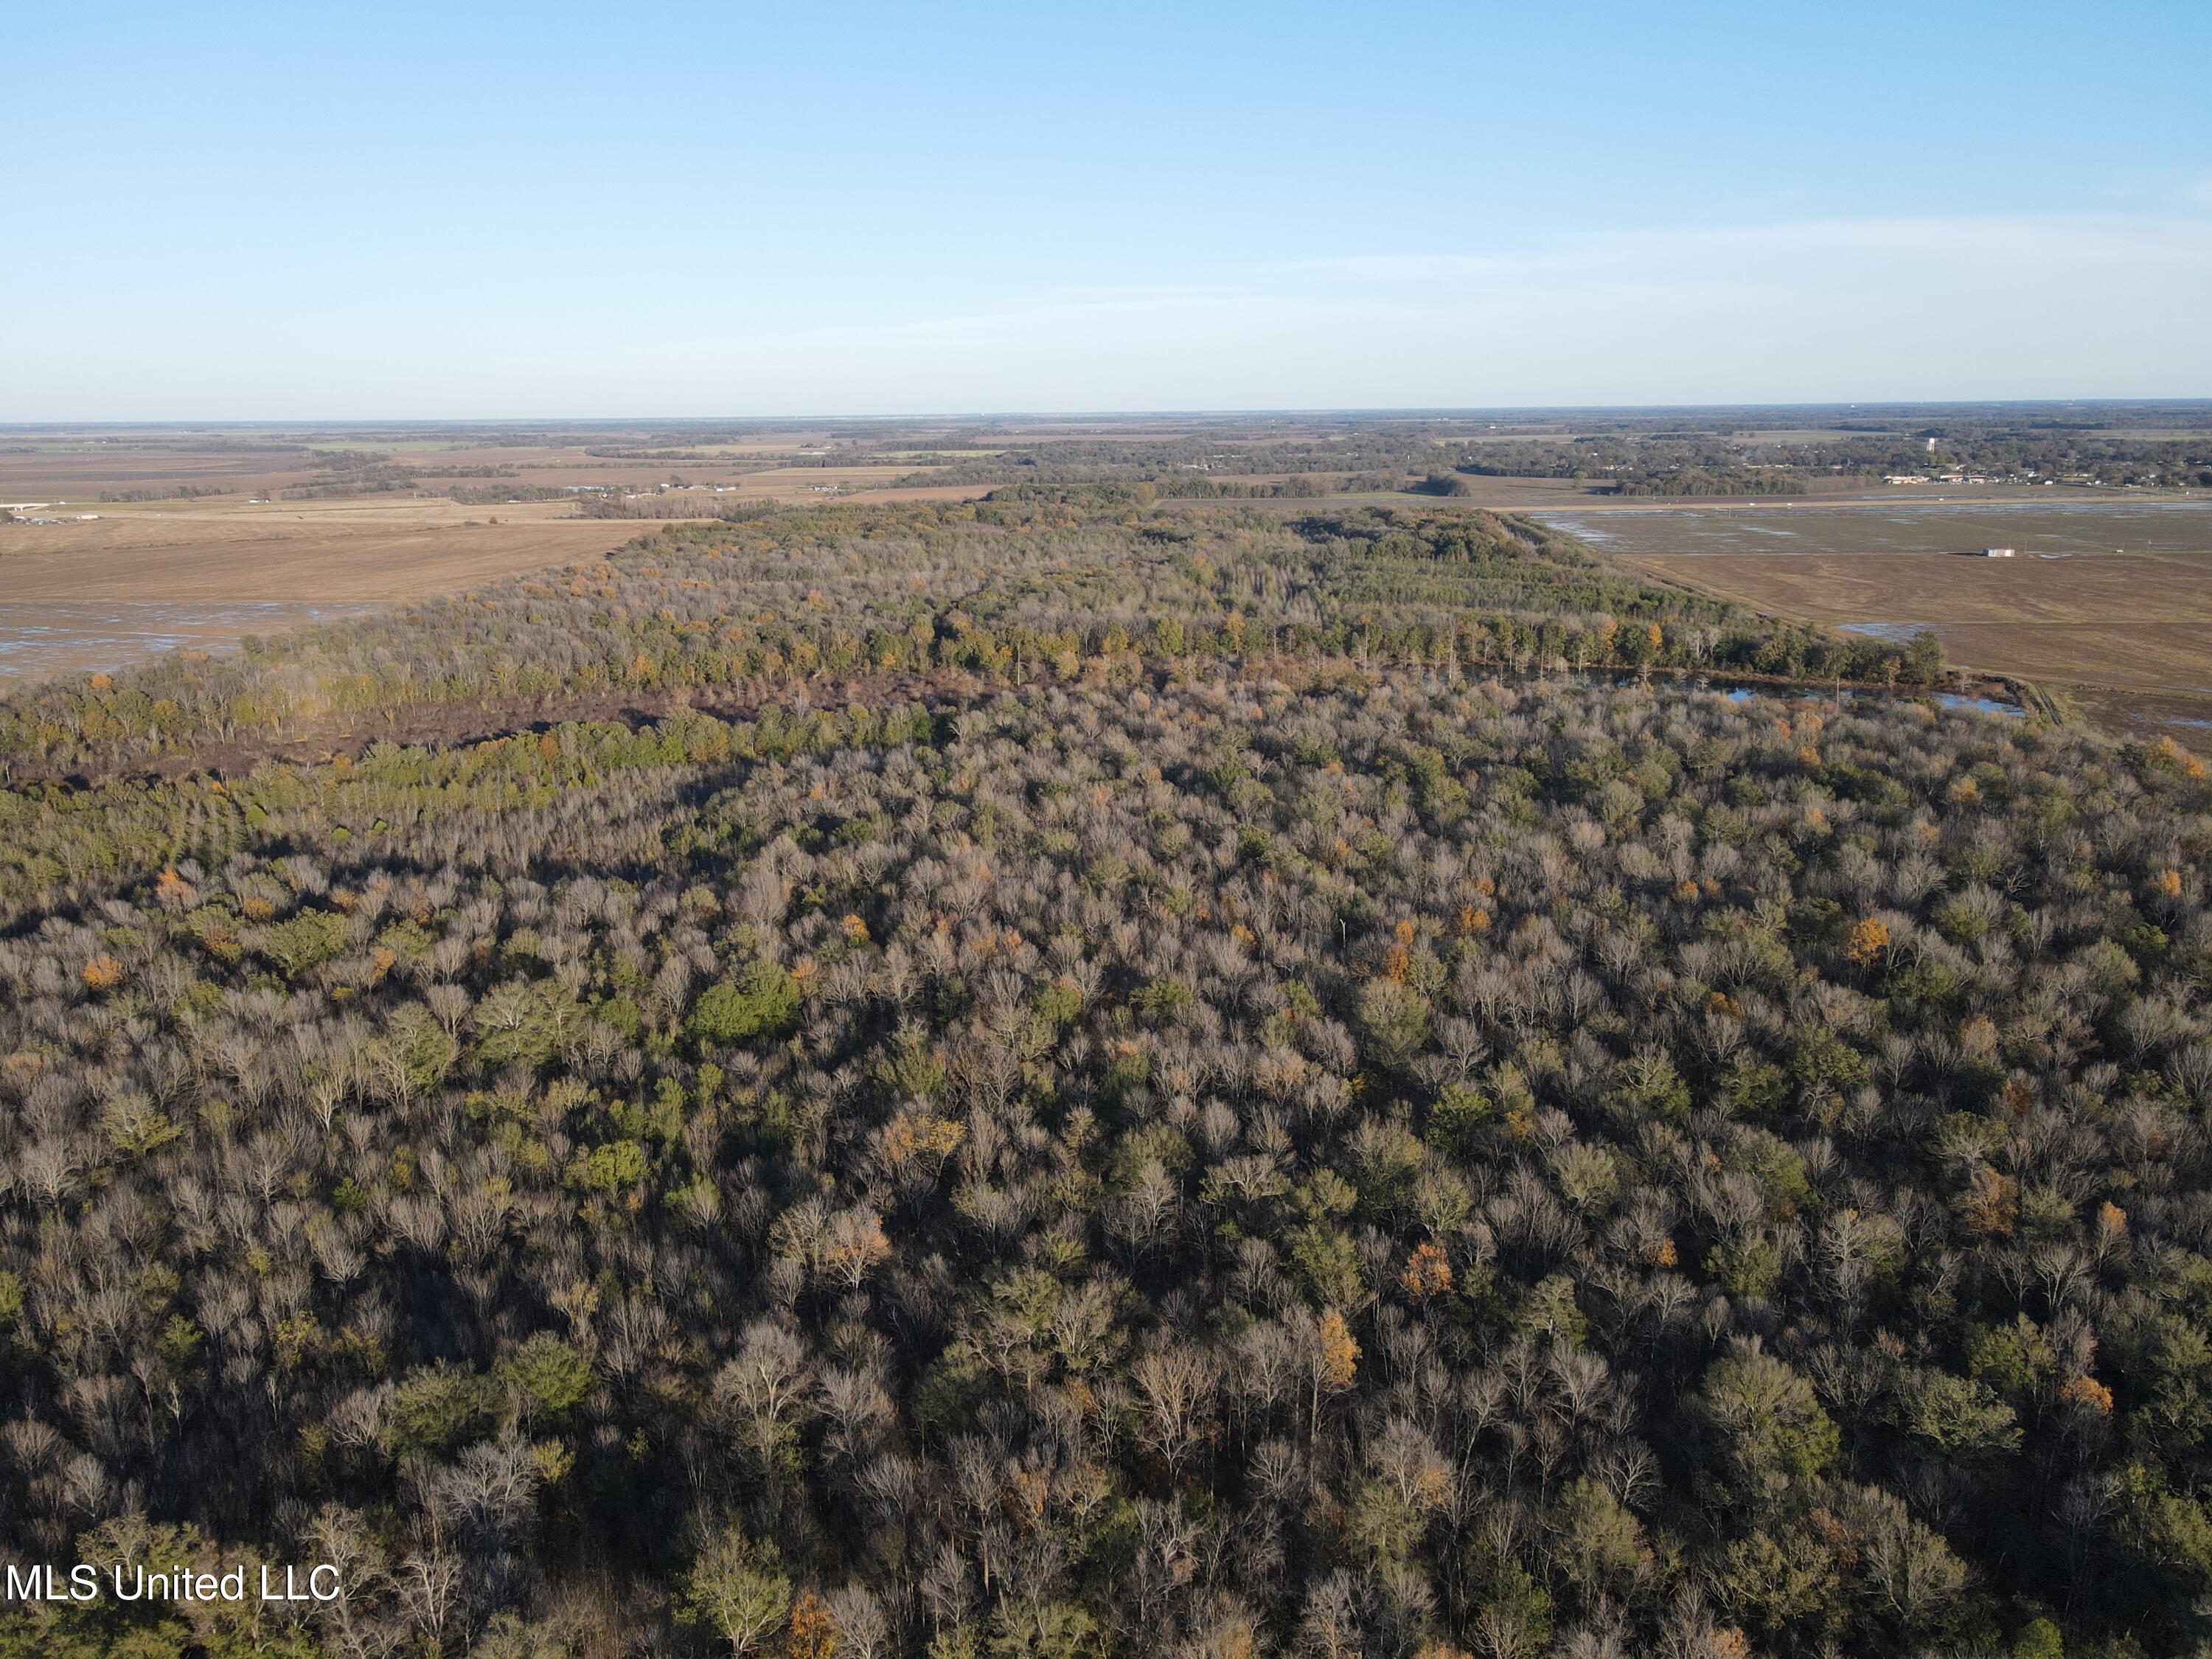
x: 198, y: 538
x: 334, y: 552
x: 2108, y: 605
x: 44, y: 639
x: 142, y: 579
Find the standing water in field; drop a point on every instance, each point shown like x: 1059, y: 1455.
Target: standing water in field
x: 2045, y: 527
x: 48, y: 637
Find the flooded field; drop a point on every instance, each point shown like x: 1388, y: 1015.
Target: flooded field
x: 2107, y: 604
x: 47, y: 637
x: 2055, y: 529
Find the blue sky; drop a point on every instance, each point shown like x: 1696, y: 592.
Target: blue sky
x: 241, y: 211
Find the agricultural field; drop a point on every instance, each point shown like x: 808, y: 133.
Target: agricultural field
x: 2108, y: 605
x: 331, y: 552
x: 41, y: 639
x: 78, y: 597
x: 200, y: 539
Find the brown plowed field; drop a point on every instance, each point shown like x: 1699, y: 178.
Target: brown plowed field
x: 2107, y: 604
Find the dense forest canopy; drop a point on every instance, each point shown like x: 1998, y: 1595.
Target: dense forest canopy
x: 1064, y: 1076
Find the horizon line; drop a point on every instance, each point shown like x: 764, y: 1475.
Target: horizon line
x: 1379, y: 411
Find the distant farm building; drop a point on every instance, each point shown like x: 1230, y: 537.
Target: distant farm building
x: 1997, y: 552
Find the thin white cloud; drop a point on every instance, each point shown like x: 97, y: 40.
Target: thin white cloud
x: 1806, y: 310
x: 1981, y: 307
